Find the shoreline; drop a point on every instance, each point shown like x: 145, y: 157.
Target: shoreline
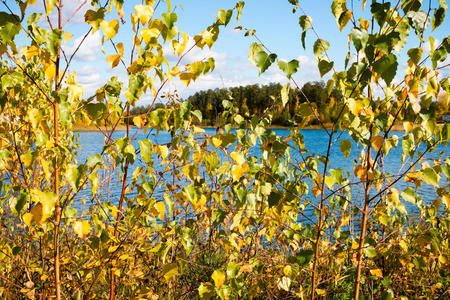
x: 396, y: 127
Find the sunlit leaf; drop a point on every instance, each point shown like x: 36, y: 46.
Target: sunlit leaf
x: 82, y: 228
x: 219, y: 278
x: 110, y: 28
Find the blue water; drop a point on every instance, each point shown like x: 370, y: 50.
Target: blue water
x: 316, y: 141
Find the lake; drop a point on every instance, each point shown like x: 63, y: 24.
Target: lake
x: 315, y: 140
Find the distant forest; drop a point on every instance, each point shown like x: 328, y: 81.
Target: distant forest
x: 254, y: 100
x: 257, y: 100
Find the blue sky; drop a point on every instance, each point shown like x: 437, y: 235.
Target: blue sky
x: 275, y: 25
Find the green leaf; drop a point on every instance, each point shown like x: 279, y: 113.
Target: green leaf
x: 94, y: 160
x: 359, y: 38
x: 346, y: 147
x: 430, y: 176
x: 438, y: 17
x: 285, y: 94
x: 324, y: 65
x: 232, y: 269
x: 409, y: 195
x: 93, y: 180
x: 380, y: 11
x: 274, y: 198
x: 53, y: 40
x: 386, y: 42
x: 419, y: 20
x: 73, y: 175
x: 305, y: 22
x: 370, y: 251
x: 264, y: 60
x: 443, y: 4
x: 135, y: 87
x: 386, y: 67
x: 415, y: 54
x: 169, y: 19
x: 212, y: 162
x: 9, y: 27
x: 254, y: 49
x: 146, y: 150
x: 410, y: 5
x: 3, y: 99
x: 11, y: 80
x: 320, y: 46
x: 96, y: 110
x: 304, y: 256
x: 224, y: 16
x: 439, y: 55
x: 239, y: 7
x: 288, y: 68
x: 198, y: 114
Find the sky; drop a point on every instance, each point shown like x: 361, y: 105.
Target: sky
x: 275, y: 24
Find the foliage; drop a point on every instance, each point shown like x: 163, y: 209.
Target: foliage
x: 203, y: 216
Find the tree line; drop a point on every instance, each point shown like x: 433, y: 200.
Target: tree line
x: 256, y: 100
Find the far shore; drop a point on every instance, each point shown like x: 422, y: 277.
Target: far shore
x: 396, y: 127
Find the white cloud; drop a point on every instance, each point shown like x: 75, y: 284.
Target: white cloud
x: 89, y: 48
x: 69, y: 13
x: 90, y: 78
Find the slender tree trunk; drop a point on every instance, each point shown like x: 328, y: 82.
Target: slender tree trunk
x: 319, y: 225
x: 363, y: 222
x: 56, y: 172
x: 119, y: 213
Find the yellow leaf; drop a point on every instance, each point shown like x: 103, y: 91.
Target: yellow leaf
x: 198, y: 130
x: 208, y: 38
x: 149, y: 33
x: 110, y: 28
x: 67, y: 36
x: 377, y: 273
x: 144, y: 13
x: 377, y: 142
x: 186, y: 78
x: 316, y: 191
x: 321, y: 292
x: 113, y: 60
x: 31, y: 52
x: 216, y: 142
x: 27, y: 218
x: 237, y: 171
x: 394, y: 195
x: 81, y: 228
x: 164, y: 151
x: 343, y: 20
x: 416, y: 107
x: 50, y: 72
x: 139, y: 121
x: 179, y: 47
x: 170, y: 271
x: 119, y: 47
x: 161, y: 209
x: 219, y: 278
x: 364, y: 23
x: 287, y: 270
x: 408, y: 126
x: 355, y: 106
x: 329, y: 181
x: 76, y: 90
x: 238, y: 157
x: 446, y: 200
